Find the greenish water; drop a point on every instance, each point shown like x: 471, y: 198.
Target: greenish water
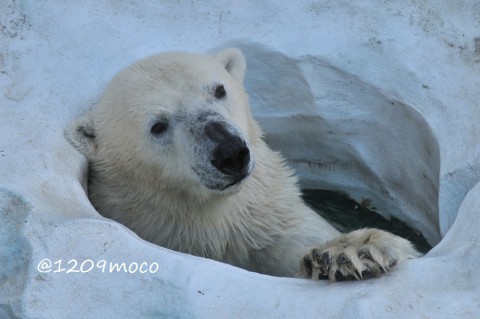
x: 346, y: 215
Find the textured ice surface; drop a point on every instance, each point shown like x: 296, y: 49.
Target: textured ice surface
x: 376, y: 98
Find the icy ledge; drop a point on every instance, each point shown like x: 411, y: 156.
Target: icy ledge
x: 379, y: 100
x: 186, y: 286
x: 61, y: 225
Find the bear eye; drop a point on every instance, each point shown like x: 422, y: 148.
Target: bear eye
x: 220, y: 92
x: 159, y: 128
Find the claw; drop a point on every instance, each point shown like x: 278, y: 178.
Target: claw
x: 357, y: 274
x: 307, y: 263
x: 365, y: 254
x: 343, y: 259
x: 316, y: 255
x: 326, y: 260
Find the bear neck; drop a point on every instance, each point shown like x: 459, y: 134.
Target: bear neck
x: 221, y: 227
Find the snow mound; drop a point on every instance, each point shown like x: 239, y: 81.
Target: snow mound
x: 378, y: 99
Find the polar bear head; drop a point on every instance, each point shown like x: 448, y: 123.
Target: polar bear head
x: 176, y: 122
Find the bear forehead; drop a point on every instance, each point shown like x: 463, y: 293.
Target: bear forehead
x: 163, y: 83
x: 177, y: 68
x: 173, y: 76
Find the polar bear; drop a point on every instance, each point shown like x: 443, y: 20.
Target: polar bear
x: 175, y: 155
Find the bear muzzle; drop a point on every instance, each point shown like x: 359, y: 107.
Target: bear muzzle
x: 231, y: 156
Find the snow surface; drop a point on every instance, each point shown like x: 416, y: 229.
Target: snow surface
x: 379, y: 98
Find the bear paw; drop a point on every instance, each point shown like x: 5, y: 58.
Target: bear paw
x: 360, y: 254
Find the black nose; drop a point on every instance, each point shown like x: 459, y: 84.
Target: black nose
x: 232, y: 155
x: 232, y: 158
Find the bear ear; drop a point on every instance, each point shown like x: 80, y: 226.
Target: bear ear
x: 81, y: 134
x: 234, y: 62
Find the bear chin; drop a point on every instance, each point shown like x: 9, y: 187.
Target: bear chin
x: 229, y: 189
x: 225, y: 187
x: 216, y: 181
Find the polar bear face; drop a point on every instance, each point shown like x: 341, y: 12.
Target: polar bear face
x: 179, y: 121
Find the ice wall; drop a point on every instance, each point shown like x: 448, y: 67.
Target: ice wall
x: 378, y: 98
